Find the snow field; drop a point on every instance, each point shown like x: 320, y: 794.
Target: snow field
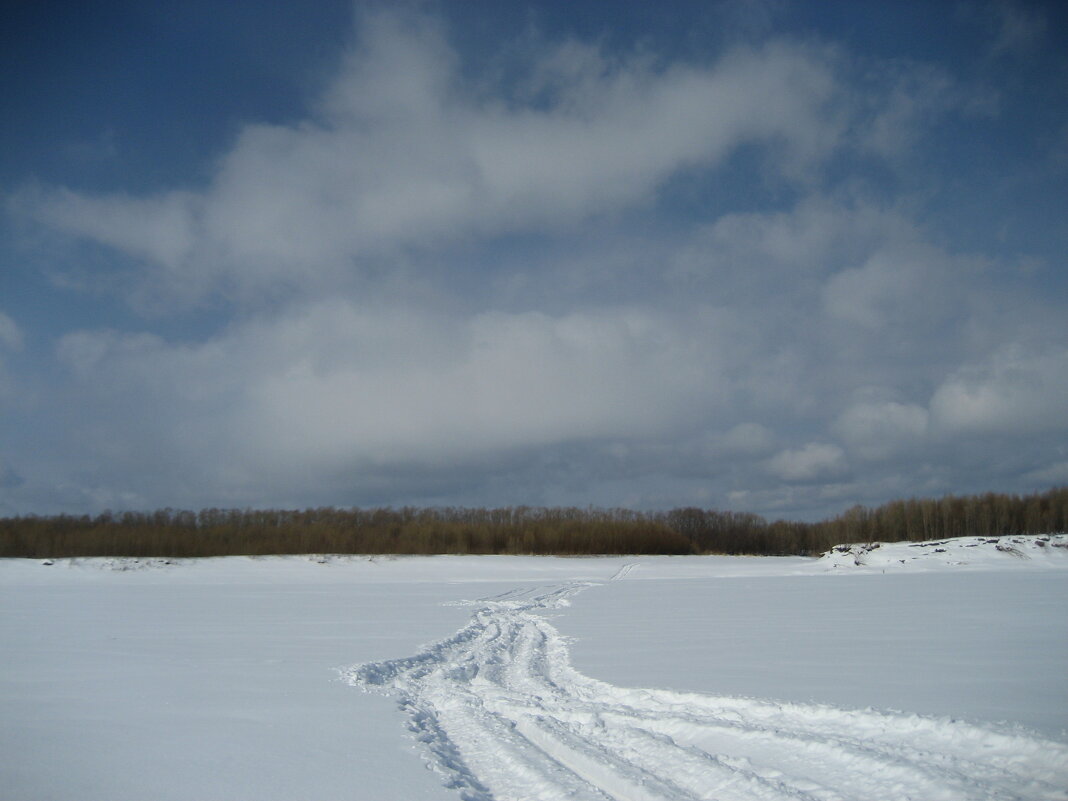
x: 219, y: 678
x: 504, y: 716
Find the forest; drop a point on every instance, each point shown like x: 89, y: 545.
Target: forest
x: 520, y: 529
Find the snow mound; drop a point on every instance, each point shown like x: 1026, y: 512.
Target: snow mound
x: 1035, y: 550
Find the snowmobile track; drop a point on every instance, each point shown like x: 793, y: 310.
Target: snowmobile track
x: 503, y: 716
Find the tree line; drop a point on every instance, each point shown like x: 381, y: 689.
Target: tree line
x: 916, y: 519
x: 520, y: 529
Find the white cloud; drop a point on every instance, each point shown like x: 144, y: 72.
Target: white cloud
x: 333, y: 385
x: 515, y: 299
x: 867, y: 295
x: 402, y: 154
x: 895, y: 124
x: 158, y: 228
x: 742, y: 256
x: 902, y: 284
x: 346, y: 392
x: 510, y: 381
x: 1018, y: 29
x: 909, y: 98
x: 10, y: 334
x: 814, y: 461
x: 1014, y: 390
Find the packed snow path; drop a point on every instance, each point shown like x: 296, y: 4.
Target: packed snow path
x: 503, y: 716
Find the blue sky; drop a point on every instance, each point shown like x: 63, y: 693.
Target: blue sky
x: 766, y: 256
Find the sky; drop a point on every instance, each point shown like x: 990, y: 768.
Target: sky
x: 774, y: 257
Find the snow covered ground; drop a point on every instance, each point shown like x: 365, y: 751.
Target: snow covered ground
x: 930, y: 672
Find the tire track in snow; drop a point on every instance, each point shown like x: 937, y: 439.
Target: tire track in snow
x: 625, y: 571
x: 503, y: 716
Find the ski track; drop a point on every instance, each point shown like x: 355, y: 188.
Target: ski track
x: 504, y: 717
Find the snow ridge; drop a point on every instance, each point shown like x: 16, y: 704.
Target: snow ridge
x: 1025, y: 550
x: 503, y: 715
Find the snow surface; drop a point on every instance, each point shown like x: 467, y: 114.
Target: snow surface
x: 231, y: 678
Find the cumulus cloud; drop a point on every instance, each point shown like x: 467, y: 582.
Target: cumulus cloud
x: 797, y: 248
x: 870, y: 295
x: 401, y: 153
x: 847, y: 293
x: 902, y: 284
x: 814, y: 461
x: 1012, y: 390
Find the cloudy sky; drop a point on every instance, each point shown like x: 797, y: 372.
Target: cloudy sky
x: 778, y: 257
